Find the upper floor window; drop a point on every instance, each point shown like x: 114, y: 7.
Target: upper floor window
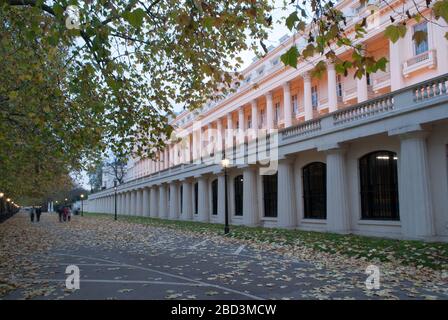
x: 421, y: 38
x: 249, y: 121
x: 314, y: 97
x: 277, y: 112
x: 339, y: 85
x: 261, y: 118
x: 295, y: 104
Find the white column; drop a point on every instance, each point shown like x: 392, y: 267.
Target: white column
x: 416, y: 213
x: 163, y: 201
x: 209, y: 139
x: 361, y: 89
x: 338, y: 211
x: 187, y: 204
x: 269, y: 111
x: 145, y: 209
x: 254, y: 115
x: 307, y: 101
x: 174, y: 201
x: 203, y: 210
x: 286, y: 205
x: 241, y: 126
x: 139, y: 199
x: 440, y: 42
x: 133, y: 203
x: 250, y: 200
x: 332, y: 93
x: 229, y: 138
x: 119, y: 203
x: 153, y: 203
x: 287, y: 108
x: 221, y: 198
x: 396, y: 53
x: 219, y: 135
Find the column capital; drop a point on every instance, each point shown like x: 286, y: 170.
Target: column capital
x: 306, y: 76
x: 254, y: 103
x: 287, y: 85
x: 330, y: 65
x: 408, y: 132
x: 332, y: 148
x: 268, y: 95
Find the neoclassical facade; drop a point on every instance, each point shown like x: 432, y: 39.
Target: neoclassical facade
x: 365, y: 156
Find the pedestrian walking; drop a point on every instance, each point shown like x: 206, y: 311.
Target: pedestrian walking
x: 60, y: 211
x: 32, y: 212
x: 38, y: 213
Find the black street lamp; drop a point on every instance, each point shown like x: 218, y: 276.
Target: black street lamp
x: 225, y: 164
x: 115, y: 199
x: 82, y: 205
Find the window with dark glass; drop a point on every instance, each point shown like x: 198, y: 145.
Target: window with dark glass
x: 314, y: 178
x: 270, y: 195
x: 379, y: 186
x: 238, y: 187
x: 314, y: 97
x: 215, y: 197
x: 196, y: 190
x: 421, y: 38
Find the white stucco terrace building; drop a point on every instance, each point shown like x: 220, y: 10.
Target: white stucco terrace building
x: 365, y: 156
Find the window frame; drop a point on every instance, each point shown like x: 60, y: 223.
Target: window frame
x: 311, y: 192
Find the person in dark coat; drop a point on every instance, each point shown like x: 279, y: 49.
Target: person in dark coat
x: 60, y: 213
x: 38, y: 213
x: 32, y: 211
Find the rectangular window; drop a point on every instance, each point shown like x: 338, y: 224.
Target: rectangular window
x: 261, y: 118
x: 314, y: 97
x: 421, y: 38
x: 277, y: 112
x: 339, y: 85
x: 249, y: 121
x: 295, y: 104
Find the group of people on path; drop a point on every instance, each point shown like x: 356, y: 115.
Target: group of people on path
x: 64, y: 213
x: 35, y: 212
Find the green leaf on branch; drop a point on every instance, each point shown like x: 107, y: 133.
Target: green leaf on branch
x: 291, y: 20
x: 289, y: 58
x: 135, y: 18
x: 395, y: 32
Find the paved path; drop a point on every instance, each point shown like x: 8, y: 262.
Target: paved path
x: 129, y: 261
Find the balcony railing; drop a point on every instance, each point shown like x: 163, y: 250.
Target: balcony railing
x: 426, y: 59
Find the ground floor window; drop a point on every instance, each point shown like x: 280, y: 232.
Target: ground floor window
x: 196, y: 190
x: 238, y: 188
x: 379, y: 186
x: 215, y: 197
x: 270, y: 195
x: 315, y: 190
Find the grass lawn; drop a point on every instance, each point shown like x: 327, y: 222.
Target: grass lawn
x: 409, y: 252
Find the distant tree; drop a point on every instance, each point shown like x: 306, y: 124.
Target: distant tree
x: 117, y: 166
x: 95, y: 174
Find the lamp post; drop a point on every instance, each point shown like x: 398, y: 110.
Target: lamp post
x: 225, y: 164
x: 82, y: 205
x: 115, y: 199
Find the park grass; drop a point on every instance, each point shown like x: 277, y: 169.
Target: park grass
x: 416, y: 253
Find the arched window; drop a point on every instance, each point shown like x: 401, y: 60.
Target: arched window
x: 270, y: 195
x: 315, y: 190
x: 215, y: 197
x: 196, y: 190
x: 238, y: 188
x: 379, y: 186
